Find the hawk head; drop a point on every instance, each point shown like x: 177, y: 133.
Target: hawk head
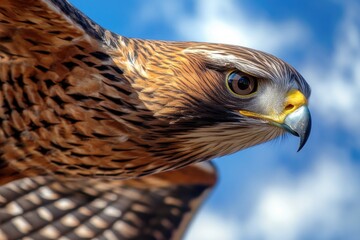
x: 218, y: 98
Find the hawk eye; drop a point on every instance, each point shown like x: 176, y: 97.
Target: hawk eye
x: 241, y: 84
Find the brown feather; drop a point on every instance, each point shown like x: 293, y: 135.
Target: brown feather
x: 80, y: 101
x: 157, y: 206
x: 82, y: 108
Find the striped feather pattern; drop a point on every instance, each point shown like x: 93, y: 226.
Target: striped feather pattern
x: 44, y: 208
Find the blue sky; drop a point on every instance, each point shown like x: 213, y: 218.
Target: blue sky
x: 271, y: 191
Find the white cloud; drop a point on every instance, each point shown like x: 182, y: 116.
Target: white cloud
x: 336, y: 82
x: 313, y: 204
x: 221, y: 22
x: 321, y: 203
x: 211, y: 226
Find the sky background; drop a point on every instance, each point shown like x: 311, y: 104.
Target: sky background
x: 271, y: 191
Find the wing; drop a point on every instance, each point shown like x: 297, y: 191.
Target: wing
x: 154, y: 207
x: 60, y: 90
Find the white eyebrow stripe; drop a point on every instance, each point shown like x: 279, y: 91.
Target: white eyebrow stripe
x: 214, y: 54
x: 243, y: 64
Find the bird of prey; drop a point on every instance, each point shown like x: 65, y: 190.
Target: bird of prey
x: 108, y: 137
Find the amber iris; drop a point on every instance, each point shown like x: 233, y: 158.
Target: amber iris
x: 241, y: 84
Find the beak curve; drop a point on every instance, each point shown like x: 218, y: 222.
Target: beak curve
x: 298, y: 123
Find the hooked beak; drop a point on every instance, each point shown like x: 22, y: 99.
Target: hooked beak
x: 298, y: 123
x: 295, y: 118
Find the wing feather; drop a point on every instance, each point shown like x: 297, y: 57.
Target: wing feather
x: 153, y: 207
x: 59, y: 88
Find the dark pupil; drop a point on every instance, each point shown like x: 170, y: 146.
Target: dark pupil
x: 243, y: 83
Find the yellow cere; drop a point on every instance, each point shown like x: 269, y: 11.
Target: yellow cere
x: 294, y: 100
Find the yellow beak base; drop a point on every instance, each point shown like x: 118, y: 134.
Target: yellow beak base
x: 295, y: 117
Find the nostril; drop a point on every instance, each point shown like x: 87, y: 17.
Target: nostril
x: 289, y: 107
